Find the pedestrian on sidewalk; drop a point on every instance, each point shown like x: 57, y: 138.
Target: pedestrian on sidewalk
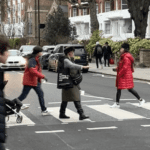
x: 71, y: 94
x: 124, y: 79
x: 107, y: 53
x: 98, y: 53
x: 32, y: 79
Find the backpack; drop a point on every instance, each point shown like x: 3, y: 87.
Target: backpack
x: 99, y: 50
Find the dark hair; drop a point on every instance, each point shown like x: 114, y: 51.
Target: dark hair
x: 37, y: 49
x: 106, y: 43
x: 4, y: 44
x: 125, y: 46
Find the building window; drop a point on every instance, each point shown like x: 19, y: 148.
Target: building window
x: 30, y: 26
x: 107, y: 6
x: 74, y: 12
x: 97, y: 9
x: 84, y: 11
x: 101, y: 7
x: 22, y: 6
x: 107, y: 28
x: 100, y: 26
x: 124, y: 4
x: 18, y: 7
x: 19, y: 20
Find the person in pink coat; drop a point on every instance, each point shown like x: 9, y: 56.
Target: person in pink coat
x: 124, y: 79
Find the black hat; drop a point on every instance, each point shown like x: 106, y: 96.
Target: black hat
x: 68, y: 49
x: 125, y: 46
x: 37, y: 49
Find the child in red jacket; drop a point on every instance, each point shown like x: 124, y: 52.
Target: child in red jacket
x: 32, y: 79
x: 124, y: 79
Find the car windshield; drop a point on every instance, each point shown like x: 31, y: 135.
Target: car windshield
x: 27, y: 48
x: 48, y: 49
x: 79, y: 50
x: 13, y: 53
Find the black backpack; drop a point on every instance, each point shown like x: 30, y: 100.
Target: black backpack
x: 99, y: 50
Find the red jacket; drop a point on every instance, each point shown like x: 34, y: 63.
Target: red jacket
x: 124, y: 78
x: 33, y: 72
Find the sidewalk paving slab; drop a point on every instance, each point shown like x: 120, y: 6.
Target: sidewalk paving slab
x: 139, y: 73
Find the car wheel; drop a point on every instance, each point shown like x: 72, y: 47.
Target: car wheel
x: 49, y: 68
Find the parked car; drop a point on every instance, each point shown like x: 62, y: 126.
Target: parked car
x: 81, y: 57
x: 46, y: 52
x: 26, y: 49
x: 14, y: 60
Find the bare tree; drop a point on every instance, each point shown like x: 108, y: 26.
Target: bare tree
x: 139, y: 14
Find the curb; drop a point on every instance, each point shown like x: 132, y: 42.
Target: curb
x: 115, y: 76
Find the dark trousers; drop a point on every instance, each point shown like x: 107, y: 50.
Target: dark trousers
x: 77, y: 105
x: 39, y: 92
x: 118, y: 95
x: 100, y: 60
x: 106, y: 58
x: 2, y: 147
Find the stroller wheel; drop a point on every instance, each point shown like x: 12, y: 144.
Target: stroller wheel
x: 19, y: 119
x: 7, y: 118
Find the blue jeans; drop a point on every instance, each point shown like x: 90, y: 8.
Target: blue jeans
x: 38, y: 90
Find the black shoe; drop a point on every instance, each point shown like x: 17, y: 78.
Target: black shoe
x: 63, y: 116
x: 82, y: 117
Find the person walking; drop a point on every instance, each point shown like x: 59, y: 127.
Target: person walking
x: 71, y: 94
x: 32, y: 79
x: 107, y: 53
x: 98, y: 53
x: 124, y: 79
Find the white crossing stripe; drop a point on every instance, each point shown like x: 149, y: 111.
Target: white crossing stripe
x: 145, y: 125
x: 145, y: 105
x: 74, y: 117
x: 102, y: 128
x: 12, y: 121
x: 54, y: 131
x: 115, y: 112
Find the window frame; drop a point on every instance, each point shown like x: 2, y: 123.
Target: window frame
x: 84, y: 11
x: 107, y: 7
x: 74, y: 12
x: 123, y: 5
x: 106, y: 31
x: 97, y: 11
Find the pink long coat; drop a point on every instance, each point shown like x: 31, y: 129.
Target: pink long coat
x: 124, y: 79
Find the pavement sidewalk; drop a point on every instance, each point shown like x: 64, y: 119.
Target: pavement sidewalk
x: 139, y: 73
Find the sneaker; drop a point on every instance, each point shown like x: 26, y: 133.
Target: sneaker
x: 115, y: 105
x: 46, y: 113
x: 141, y: 102
x: 24, y: 107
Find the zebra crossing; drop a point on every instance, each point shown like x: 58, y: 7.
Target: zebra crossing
x: 103, y: 109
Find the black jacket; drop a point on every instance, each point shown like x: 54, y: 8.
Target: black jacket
x: 95, y: 51
x: 2, y: 108
x: 107, y: 51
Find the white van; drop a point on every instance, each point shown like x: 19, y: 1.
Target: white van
x: 26, y: 49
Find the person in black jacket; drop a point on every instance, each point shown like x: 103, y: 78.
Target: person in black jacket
x: 107, y: 53
x: 98, y: 53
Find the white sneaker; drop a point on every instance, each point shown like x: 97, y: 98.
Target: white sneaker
x: 141, y: 102
x: 46, y: 113
x: 115, y: 105
x: 24, y: 107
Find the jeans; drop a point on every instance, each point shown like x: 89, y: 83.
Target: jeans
x: 38, y: 90
x: 2, y: 147
x: 106, y: 57
x: 100, y: 60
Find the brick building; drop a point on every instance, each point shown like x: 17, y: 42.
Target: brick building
x: 113, y: 17
x: 22, y: 18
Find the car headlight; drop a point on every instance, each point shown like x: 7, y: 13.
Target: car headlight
x: 23, y: 61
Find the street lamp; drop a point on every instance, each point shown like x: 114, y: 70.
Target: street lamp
x: 39, y: 22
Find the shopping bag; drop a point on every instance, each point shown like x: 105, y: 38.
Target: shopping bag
x: 111, y: 61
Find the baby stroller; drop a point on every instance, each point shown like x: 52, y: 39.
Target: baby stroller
x: 12, y: 107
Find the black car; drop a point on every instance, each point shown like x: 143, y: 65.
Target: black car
x: 81, y: 57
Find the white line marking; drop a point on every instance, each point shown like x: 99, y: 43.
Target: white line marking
x: 115, y: 113
x: 50, y: 83
x: 53, y: 103
x: 102, y: 128
x: 20, y: 73
x: 74, y: 117
x: 97, y: 97
x: 146, y: 105
x: 145, y: 125
x: 55, y: 131
x: 128, y: 99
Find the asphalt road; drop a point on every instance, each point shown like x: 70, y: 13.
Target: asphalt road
x: 107, y: 129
